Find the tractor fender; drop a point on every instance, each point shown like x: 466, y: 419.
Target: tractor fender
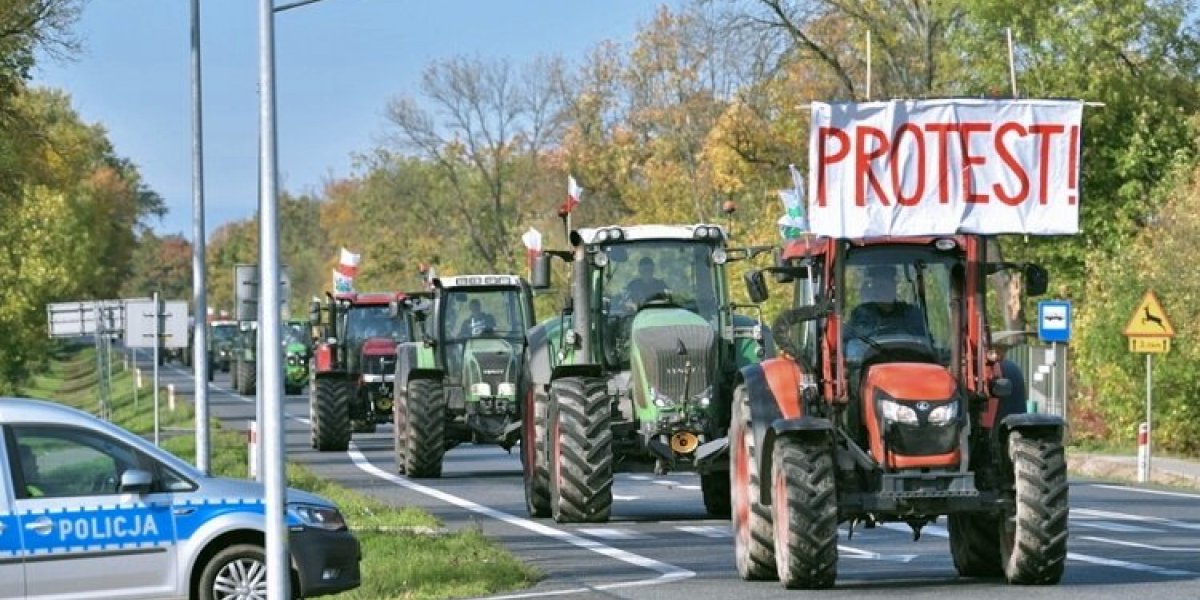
x: 576, y: 371
x: 336, y: 374
x: 773, y: 390
x: 537, y: 357
x: 1037, y: 424
x: 806, y: 427
x: 412, y: 362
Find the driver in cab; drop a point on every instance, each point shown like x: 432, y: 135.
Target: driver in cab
x: 645, y: 286
x: 880, y: 311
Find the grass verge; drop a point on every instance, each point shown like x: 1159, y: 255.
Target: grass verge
x: 406, y: 555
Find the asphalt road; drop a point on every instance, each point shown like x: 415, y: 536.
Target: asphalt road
x: 1124, y: 542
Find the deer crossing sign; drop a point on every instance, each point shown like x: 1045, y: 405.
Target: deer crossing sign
x: 1149, y: 329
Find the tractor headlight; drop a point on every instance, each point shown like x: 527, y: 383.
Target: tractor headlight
x: 600, y: 259
x: 719, y: 256
x: 481, y: 389
x: 661, y: 400
x: 506, y: 389
x: 703, y: 399
x: 943, y: 415
x: 895, y: 412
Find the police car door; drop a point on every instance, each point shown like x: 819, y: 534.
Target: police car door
x: 83, y: 538
x: 12, y: 572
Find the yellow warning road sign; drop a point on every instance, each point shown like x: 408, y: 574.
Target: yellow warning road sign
x: 1153, y: 345
x: 1149, y: 319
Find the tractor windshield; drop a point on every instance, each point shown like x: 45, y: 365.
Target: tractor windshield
x: 224, y: 333
x: 896, y: 304
x: 490, y: 320
x: 366, y: 322
x: 295, y: 333
x: 672, y: 271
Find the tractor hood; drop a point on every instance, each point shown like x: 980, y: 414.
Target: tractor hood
x: 295, y: 348
x: 673, y: 359
x: 379, y: 347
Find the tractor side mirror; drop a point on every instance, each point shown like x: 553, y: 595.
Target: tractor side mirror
x: 1037, y: 280
x: 541, y: 272
x: 314, y: 312
x: 756, y: 285
x: 394, y: 308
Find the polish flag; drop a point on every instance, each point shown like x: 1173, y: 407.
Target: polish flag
x: 533, y: 245
x: 574, y: 193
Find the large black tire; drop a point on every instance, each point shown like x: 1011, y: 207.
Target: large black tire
x: 425, y: 416
x: 581, y: 455
x: 754, y: 546
x: 805, y: 513
x: 715, y: 488
x: 237, y: 565
x: 535, y: 464
x: 1033, y: 543
x: 400, y: 424
x: 233, y: 379
x: 329, y: 414
x: 246, y: 376
x: 975, y: 544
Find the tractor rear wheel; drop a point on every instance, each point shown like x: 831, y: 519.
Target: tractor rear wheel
x: 715, y: 488
x: 754, y: 546
x: 400, y: 425
x: 975, y: 544
x: 533, y: 452
x: 1033, y: 543
x: 329, y: 414
x: 581, y: 455
x: 233, y: 381
x: 246, y: 376
x: 425, y: 419
x: 805, y: 513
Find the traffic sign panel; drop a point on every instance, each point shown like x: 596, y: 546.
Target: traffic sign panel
x: 1149, y: 319
x: 1054, y: 320
x: 1150, y: 345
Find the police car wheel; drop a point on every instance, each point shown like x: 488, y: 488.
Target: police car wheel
x: 239, y: 571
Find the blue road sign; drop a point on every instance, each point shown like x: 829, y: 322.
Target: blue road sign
x: 1054, y: 320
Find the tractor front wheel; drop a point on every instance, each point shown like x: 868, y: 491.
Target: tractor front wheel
x: 425, y: 420
x: 329, y: 414
x: 975, y: 545
x: 1033, y: 543
x: 246, y: 377
x: 715, y: 488
x: 754, y: 548
x: 533, y: 452
x: 805, y: 513
x: 581, y: 474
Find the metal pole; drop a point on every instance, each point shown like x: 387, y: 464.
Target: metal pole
x: 1053, y: 403
x: 1149, y: 423
x: 1012, y: 63
x: 199, y: 283
x: 270, y: 387
x: 157, y: 343
x: 868, y: 64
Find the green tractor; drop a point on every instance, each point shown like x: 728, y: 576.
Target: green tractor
x: 461, y: 382
x: 244, y: 378
x: 297, y: 352
x: 638, y: 371
x: 221, y: 338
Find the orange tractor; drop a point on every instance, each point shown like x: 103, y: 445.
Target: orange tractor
x: 890, y: 404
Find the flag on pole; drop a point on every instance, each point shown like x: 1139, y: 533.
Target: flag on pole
x: 794, y: 222
x: 533, y: 245
x: 345, y: 271
x: 574, y: 194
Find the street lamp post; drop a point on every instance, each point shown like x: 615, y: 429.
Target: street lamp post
x: 199, y: 284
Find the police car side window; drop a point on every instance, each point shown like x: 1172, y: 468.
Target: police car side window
x: 61, y: 462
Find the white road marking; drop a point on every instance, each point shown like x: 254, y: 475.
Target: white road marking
x: 1117, y: 516
x: 609, y: 533
x: 666, y: 572
x: 667, y: 483
x: 640, y: 477
x: 620, y: 498
x: 1104, y: 540
x: 1113, y: 527
x: 707, y: 531
x: 851, y: 552
x: 1132, y: 566
x: 1124, y: 488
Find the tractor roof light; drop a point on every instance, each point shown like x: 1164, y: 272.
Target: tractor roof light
x: 945, y: 244
x: 719, y: 256
x: 600, y: 259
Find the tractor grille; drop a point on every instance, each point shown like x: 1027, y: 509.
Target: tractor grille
x: 923, y: 440
x: 378, y: 365
x: 494, y: 367
x: 667, y: 368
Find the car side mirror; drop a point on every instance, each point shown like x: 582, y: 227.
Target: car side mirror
x: 1037, y: 280
x: 541, y: 272
x: 314, y: 312
x: 756, y: 285
x: 136, y: 481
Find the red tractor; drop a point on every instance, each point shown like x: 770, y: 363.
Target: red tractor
x: 890, y: 403
x: 354, y: 364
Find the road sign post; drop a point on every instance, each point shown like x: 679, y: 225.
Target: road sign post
x: 1054, y: 326
x: 1149, y: 331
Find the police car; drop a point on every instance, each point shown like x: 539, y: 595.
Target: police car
x: 88, y: 509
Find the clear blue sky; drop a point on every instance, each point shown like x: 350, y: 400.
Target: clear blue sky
x: 338, y: 63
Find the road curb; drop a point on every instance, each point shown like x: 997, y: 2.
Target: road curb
x: 1120, y: 469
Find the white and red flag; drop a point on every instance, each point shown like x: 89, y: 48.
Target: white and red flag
x: 533, y: 244
x: 574, y: 194
x: 345, y: 271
